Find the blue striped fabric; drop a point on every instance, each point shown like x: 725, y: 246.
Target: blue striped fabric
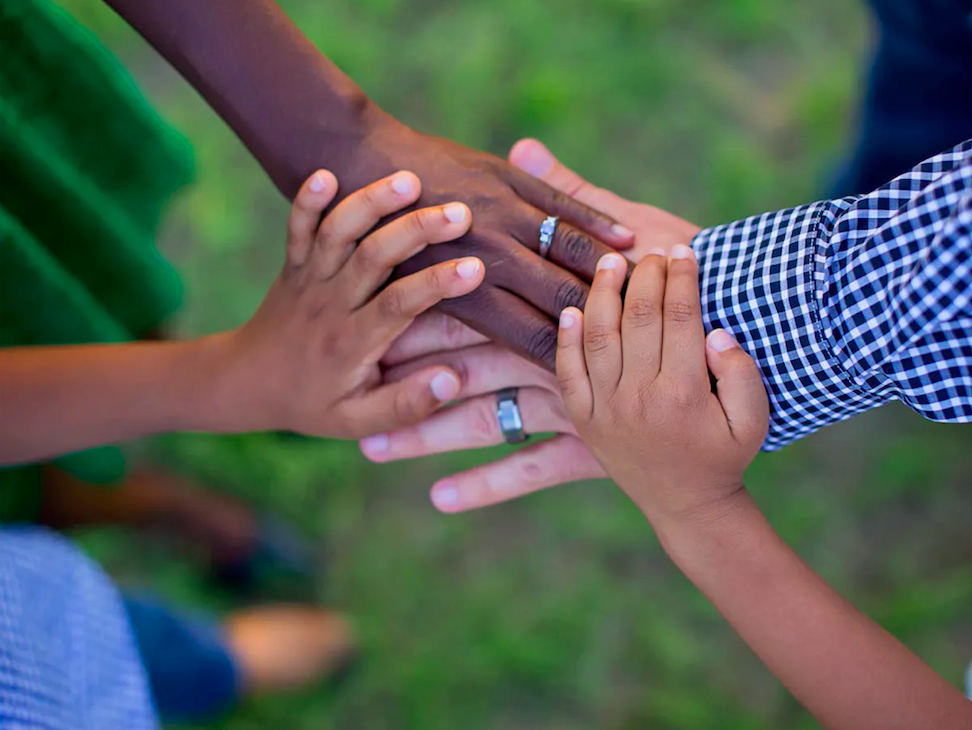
x: 848, y: 304
x: 68, y: 659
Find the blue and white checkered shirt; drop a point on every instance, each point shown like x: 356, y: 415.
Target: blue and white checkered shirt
x: 848, y: 304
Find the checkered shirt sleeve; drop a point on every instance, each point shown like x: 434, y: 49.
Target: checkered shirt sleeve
x: 848, y: 304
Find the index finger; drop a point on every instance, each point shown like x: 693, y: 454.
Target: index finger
x: 388, y: 315
x: 558, y: 203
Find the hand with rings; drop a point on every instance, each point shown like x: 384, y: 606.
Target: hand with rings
x: 502, y: 397
x: 485, y: 413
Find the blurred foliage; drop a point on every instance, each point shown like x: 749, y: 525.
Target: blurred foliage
x: 560, y: 610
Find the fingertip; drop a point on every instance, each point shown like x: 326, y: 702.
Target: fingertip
x: 719, y: 341
x: 322, y: 181
x: 532, y: 156
x: 457, y: 213
x: 444, y: 385
x: 622, y: 236
x: 610, y: 261
x: 470, y: 269
x: 375, y: 448
x: 681, y: 252
x: 445, y: 496
x: 405, y: 184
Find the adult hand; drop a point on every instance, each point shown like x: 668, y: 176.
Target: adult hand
x: 523, y: 293
x: 297, y: 112
x: 483, y: 369
x: 653, y: 227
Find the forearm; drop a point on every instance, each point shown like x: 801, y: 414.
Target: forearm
x: 847, y: 304
x: 841, y: 666
x: 291, y: 107
x: 57, y: 400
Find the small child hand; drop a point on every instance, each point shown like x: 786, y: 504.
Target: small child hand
x: 308, y: 360
x: 636, y: 386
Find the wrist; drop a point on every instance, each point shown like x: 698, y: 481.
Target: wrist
x: 692, y: 536
x: 370, y: 148
x: 208, y: 396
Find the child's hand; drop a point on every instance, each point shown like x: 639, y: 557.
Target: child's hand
x: 308, y: 360
x: 636, y: 386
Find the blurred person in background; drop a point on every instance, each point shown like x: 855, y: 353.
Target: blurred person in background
x: 78, y: 264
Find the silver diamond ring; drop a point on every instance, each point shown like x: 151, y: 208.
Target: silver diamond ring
x: 508, y: 415
x: 547, y: 230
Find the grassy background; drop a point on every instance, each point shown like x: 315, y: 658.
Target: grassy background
x: 560, y: 611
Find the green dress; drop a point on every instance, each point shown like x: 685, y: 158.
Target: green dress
x: 85, y: 168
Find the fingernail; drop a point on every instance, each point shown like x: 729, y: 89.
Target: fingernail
x: 455, y: 212
x: 467, y: 268
x: 681, y: 251
x: 377, y: 444
x: 445, y: 495
x: 536, y: 160
x: 609, y: 261
x: 720, y: 340
x: 444, y: 386
x: 403, y: 184
x: 622, y: 231
x: 316, y: 183
x: 566, y: 319
x: 657, y: 251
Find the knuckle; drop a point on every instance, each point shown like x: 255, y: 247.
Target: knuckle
x: 744, y: 367
x: 418, y: 224
x: 683, y: 395
x: 569, y: 384
x: 574, y: 248
x: 530, y: 471
x: 369, y: 256
x: 371, y: 196
x: 681, y: 311
x: 453, y: 331
x: 542, y: 343
x: 644, y: 311
x: 405, y: 407
x: 598, y: 337
x: 483, y: 422
x: 391, y: 303
x: 461, y: 369
x: 435, y: 279
x: 570, y: 293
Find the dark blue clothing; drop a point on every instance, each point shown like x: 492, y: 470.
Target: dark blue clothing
x: 190, y: 671
x: 918, y: 100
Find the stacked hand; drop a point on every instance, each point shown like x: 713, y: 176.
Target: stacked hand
x: 485, y: 367
x: 523, y: 293
x: 308, y: 360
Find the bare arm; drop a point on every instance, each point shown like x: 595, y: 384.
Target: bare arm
x: 845, y: 669
x: 306, y: 362
x: 55, y: 400
x: 636, y: 383
x: 296, y: 112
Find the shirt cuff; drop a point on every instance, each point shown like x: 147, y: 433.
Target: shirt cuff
x: 761, y: 279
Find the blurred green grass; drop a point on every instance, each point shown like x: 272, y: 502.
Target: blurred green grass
x: 560, y: 611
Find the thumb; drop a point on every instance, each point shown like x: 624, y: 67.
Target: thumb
x: 739, y: 386
x: 396, y: 405
x: 532, y: 157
